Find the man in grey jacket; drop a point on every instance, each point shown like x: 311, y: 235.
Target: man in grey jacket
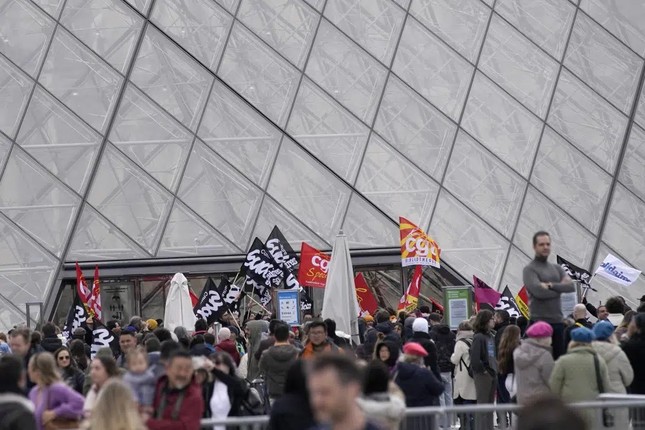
x: 545, y: 282
x: 276, y: 361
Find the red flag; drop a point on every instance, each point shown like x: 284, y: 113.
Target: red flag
x: 522, y: 300
x: 193, y: 298
x: 81, y: 285
x: 410, y: 299
x: 366, y: 299
x: 94, y: 300
x: 485, y: 295
x: 313, y: 267
x: 417, y: 248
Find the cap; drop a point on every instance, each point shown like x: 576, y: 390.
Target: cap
x: 152, y: 324
x: 582, y: 335
x: 603, y: 330
x: 413, y: 348
x: 539, y: 329
x: 420, y: 325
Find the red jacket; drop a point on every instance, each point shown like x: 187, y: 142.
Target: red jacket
x: 189, y: 412
x: 229, y: 346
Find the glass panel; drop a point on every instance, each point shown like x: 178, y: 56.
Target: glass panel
x: 239, y: 134
x: 624, y: 19
x: 366, y: 227
x: 201, y: 28
x: 431, y: 68
x: 513, y: 276
x: 141, y: 5
x: 171, y: 78
x: 219, y: 194
x: 632, y: 170
x: 272, y: 214
x: 640, y: 112
x: 571, y: 180
x: 109, y: 27
x: 485, y: 184
x: 25, y: 33
x: 307, y: 190
x: 625, y: 225
x: 328, y: 131
x: 603, y: 62
x: 130, y: 199
x: 95, y: 238
x: 5, y: 147
x: 374, y: 24
x: 519, y: 66
x: 37, y: 202
x: 229, y: 5
x: 80, y: 79
x: 568, y: 238
x: 607, y: 288
x: 346, y: 72
x: 545, y: 22
x: 187, y: 235
x: 15, y: 87
x: 394, y: 185
x: 501, y: 124
x: 52, y: 7
x: 151, y: 138
x: 318, y: 4
x: 287, y: 26
x: 259, y: 75
x: 461, y: 23
x: 414, y: 127
x: 468, y: 244
x: 589, y: 122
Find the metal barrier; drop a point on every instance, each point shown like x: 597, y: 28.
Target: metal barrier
x: 626, y: 412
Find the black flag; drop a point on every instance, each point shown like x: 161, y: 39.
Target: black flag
x: 211, y: 304
x: 260, y: 267
x: 507, y: 303
x: 575, y: 272
x: 76, y: 316
x: 102, y: 338
x: 231, y: 294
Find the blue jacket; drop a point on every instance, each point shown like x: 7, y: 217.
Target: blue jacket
x: 420, y: 386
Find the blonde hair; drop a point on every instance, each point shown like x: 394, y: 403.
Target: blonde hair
x: 45, y: 364
x: 115, y: 408
x: 139, y: 351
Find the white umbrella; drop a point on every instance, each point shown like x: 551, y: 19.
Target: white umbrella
x: 179, y: 307
x: 340, y: 302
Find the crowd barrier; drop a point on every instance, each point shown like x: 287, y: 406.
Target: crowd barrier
x: 627, y: 413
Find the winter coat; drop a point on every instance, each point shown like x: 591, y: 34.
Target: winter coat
x: 57, y: 397
x: 309, y: 353
x: 420, y: 386
x: 499, y: 331
x: 533, y: 366
x: 635, y: 351
x: 229, y: 346
x: 256, y: 328
x: 483, y: 354
x: 621, y: 376
x: 74, y: 378
x: 383, y: 408
x: 430, y: 360
x: 444, y: 340
x: 142, y: 386
x: 16, y: 412
x: 464, y: 384
x: 274, y: 364
x: 190, y: 409
x: 387, y: 328
x: 291, y: 412
x: 51, y: 344
x: 236, y: 387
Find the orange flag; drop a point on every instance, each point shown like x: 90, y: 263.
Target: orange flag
x: 410, y: 299
x: 417, y: 248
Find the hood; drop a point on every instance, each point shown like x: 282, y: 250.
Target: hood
x: 409, y: 321
x: 608, y: 351
x: 441, y: 329
x: 256, y: 328
x: 467, y: 334
x: 382, y: 405
x: 15, y: 398
x: 385, y: 327
x: 283, y: 353
x: 528, y: 353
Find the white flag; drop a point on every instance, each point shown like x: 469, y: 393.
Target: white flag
x: 615, y: 270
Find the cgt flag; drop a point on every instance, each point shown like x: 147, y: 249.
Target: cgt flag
x: 211, y: 304
x: 410, y: 299
x: 417, y: 248
x: 615, y: 270
x: 76, y: 316
x: 81, y: 286
x: 313, y: 267
x: 485, y: 296
x: 366, y: 299
x: 94, y: 300
x: 522, y: 302
x: 102, y: 338
x: 507, y: 303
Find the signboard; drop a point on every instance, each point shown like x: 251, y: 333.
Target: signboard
x: 289, y: 306
x: 457, y: 305
x: 118, y: 301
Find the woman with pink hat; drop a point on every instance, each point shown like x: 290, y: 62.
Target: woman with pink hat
x: 534, y: 363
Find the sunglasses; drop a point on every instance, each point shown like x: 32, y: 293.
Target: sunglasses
x: 63, y: 357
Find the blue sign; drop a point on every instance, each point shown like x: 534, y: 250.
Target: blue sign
x: 289, y: 306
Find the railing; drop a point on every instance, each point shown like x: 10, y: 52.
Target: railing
x: 627, y: 411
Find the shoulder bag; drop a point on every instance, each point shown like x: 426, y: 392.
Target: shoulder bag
x: 607, y: 416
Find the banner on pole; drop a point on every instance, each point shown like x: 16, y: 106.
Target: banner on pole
x: 313, y: 267
x: 410, y: 299
x: 366, y: 300
x: 417, y: 248
x: 522, y: 301
x: 614, y: 269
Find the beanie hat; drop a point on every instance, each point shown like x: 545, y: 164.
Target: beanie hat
x: 368, y: 318
x: 413, y: 348
x: 603, y: 330
x: 152, y: 324
x: 234, y: 330
x: 540, y: 329
x: 224, y: 334
x: 582, y: 335
x: 420, y: 325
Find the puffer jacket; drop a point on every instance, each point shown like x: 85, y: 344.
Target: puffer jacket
x: 533, y: 367
x: 464, y: 384
x: 384, y: 408
x: 620, y: 370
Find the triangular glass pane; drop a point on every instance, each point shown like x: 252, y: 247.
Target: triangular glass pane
x: 10, y: 317
x: 272, y: 214
x: 52, y: 7
x: 366, y: 227
x: 219, y: 194
x: 59, y: 140
x: 95, y: 238
x: 229, y: 5
x: 37, y: 202
x: 187, y: 235
x: 239, y: 134
x: 151, y: 138
x: 130, y: 199
x: 15, y: 87
x: 5, y: 147
x: 141, y: 5
x: 171, y: 78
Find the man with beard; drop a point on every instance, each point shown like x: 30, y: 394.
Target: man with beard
x: 545, y: 282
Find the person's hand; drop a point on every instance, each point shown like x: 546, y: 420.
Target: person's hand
x: 48, y: 416
x: 544, y: 285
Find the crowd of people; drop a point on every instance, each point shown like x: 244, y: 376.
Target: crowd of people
x: 312, y: 377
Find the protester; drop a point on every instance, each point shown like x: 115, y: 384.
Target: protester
x: 292, y: 411
x: 331, y: 332
x: 115, y: 409
x: 634, y: 349
x: 52, y: 399
x: 255, y: 329
x: 50, y: 342
x: 269, y: 341
x: 545, y: 282
x: 506, y: 371
x: 334, y: 385
x: 318, y: 341
x: 127, y: 342
x: 72, y: 375
x: 580, y: 375
x: 502, y: 321
x: 227, y: 390
x: 621, y: 331
x: 387, y: 353
x: 580, y: 320
x: 379, y: 402
x: 102, y: 368
x: 550, y: 413
x: 444, y: 339
x: 464, y: 386
x: 276, y: 361
x: 178, y: 397
x: 533, y: 361
x: 198, y: 347
x: 16, y: 412
x: 616, y: 309
x: 20, y: 343
x: 140, y: 378
x: 4, y: 346
x: 484, y: 364
x: 227, y: 345
x: 420, y: 335
x: 77, y: 350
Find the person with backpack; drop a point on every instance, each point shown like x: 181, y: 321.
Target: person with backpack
x: 464, y: 387
x: 444, y: 340
x: 421, y: 336
x: 533, y: 361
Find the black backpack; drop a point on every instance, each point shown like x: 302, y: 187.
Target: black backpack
x: 469, y: 369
